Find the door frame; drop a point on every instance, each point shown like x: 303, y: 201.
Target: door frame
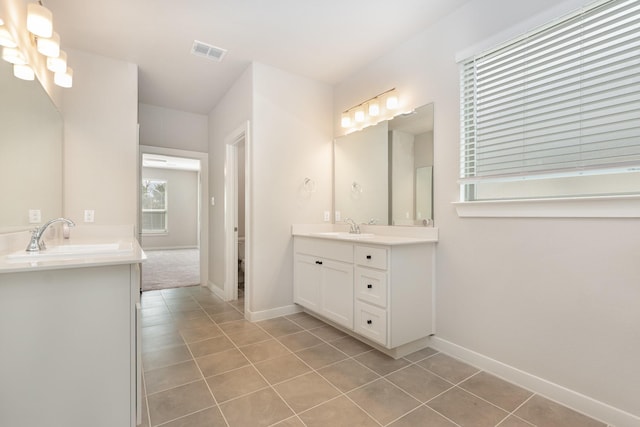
x: 240, y: 134
x: 203, y: 196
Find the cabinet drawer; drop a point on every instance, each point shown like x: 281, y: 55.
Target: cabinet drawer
x: 323, y: 248
x: 371, y: 322
x: 371, y: 286
x: 369, y: 256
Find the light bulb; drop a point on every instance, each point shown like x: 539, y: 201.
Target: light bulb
x: 23, y: 71
x: 13, y: 56
x: 392, y: 100
x: 345, y: 120
x: 374, y: 108
x: 358, y: 115
x: 39, y: 20
x: 6, y: 39
x: 64, y: 79
x: 58, y: 64
x: 49, y: 47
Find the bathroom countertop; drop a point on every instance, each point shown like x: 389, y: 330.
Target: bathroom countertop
x: 373, y: 235
x: 129, y: 252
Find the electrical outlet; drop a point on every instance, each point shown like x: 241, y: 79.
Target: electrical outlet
x: 338, y: 216
x: 327, y: 216
x: 89, y: 215
x: 35, y: 216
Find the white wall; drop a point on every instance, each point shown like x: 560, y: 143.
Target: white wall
x: 233, y: 111
x: 168, y: 128
x: 182, y: 216
x: 100, y: 140
x: 556, y: 298
x: 291, y: 140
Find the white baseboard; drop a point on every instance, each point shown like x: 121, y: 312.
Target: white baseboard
x: 217, y: 291
x: 572, y: 399
x: 256, y: 316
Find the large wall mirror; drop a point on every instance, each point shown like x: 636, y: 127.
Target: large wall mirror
x: 30, y: 152
x: 383, y: 173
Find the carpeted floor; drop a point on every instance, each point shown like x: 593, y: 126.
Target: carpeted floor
x: 173, y: 268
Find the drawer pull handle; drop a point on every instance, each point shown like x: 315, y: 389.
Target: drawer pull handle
x: 368, y: 256
x: 369, y: 286
x: 369, y: 322
x: 319, y: 262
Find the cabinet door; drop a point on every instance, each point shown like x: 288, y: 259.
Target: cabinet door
x: 337, y: 292
x: 306, y: 283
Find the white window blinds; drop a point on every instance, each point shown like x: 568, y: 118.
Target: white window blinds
x: 560, y: 101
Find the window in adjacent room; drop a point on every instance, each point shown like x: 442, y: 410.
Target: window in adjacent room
x: 154, y: 206
x: 555, y: 113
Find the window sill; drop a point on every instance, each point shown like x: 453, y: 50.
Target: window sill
x: 573, y: 207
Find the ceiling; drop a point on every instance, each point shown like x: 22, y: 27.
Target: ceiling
x: 326, y: 40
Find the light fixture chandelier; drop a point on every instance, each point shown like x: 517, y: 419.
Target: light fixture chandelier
x: 43, y: 39
x: 380, y: 107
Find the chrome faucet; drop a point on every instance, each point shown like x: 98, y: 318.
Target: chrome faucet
x: 353, y: 227
x: 36, y: 243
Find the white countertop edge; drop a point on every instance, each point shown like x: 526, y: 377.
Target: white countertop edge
x: 383, y: 235
x: 136, y: 256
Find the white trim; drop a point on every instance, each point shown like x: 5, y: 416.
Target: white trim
x: 555, y: 392
x: 545, y: 18
x: 203, y: 192
x: 217, y: 290
x: 256, y: 316
x: 572, y: 207
x: 241, y: 133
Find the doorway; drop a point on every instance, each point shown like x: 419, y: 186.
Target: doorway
x: 237, y: 216
x: 172, y: 217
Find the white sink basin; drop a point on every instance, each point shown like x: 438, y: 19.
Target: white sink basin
x: 72, y: 251
x: 343, y: 235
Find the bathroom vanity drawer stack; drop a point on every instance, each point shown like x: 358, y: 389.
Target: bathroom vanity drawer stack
x: 371, y: 293
x: 383, y: 293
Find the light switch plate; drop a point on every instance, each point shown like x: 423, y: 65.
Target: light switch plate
x: 35, y: 216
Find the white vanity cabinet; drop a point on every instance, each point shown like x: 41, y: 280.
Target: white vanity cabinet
x: 387, y: 289
x: 323, y: 275
x: 69, y: 346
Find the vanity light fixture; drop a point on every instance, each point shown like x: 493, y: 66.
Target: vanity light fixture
x: 371, y: 111
x: 14, y: 56
x: 59, y: 63
x: 64, y: 79
x: 345, y: 120
x: 23, y: 72
x: 49, y: 47
x: 6, y: 39
x: 374, y: 107
x: 39, y: 20
x: 43, y: 39
x: 392, y: 100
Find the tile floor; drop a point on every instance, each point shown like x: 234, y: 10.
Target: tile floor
x: 204, y: 365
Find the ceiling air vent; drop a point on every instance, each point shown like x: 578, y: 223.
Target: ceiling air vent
x: 208, y: 51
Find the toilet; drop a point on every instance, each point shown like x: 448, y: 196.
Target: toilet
x: 240, y: 259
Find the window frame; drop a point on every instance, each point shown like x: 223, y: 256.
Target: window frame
x: 165, y: 210
x: 597, y: 205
